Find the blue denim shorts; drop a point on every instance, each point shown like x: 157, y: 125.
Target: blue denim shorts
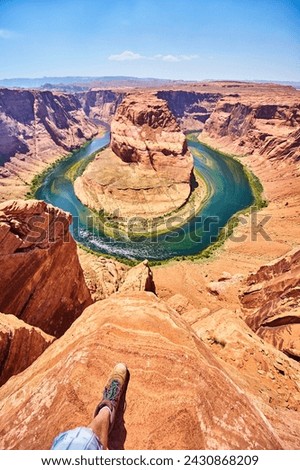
x: 77, y: 439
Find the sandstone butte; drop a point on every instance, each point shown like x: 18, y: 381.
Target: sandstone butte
x: 148, y: 169
x: 192, y: 340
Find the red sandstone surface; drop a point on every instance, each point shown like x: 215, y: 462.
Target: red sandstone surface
x: 41, y: 279
x: 178, y: 396
x: 20, y: 345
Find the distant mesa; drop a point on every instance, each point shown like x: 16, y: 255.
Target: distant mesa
x: 148, y: 169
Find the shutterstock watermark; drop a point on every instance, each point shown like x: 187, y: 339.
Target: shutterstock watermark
x: 42, y: 230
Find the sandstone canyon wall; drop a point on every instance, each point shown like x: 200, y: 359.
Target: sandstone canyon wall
x: 36, y: 122
x: 20, y: 345
x: 41, y: 279
x: 101, y: 105
x: 271, y: 303
x: 257, y: 123
x: 145, y: 131
x: 36, y: 128
x: 191, y: 108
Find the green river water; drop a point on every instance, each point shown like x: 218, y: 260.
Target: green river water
x: 229, y: 192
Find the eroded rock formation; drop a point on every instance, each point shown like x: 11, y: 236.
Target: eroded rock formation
x: 255, y: 122
x: 101, y: 104
x: 105, y: 276
x: 139, y: 278
x: 165, y: 360
x: 234, y: 368
x: 271, y: 379
x: 148, y: 171
x: 36, y: 128
x: 272, y: 303
x: 20, y: 345
x: 41, y: 279
x: 191, y: 108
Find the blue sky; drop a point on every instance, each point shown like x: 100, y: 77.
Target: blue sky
x: 179, y: 39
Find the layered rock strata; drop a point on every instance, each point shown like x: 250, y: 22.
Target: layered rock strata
x: 101, y: 105
x: 20, y: 345
x: 254, y: 123
x: 167, y: 364
x: 148, y: 170
x: 105, y: 276
x: 36, y: 128
x: 271, y: 379
x: 271, y: 303
x: 268, y: 379
x: 41, y: 279
x: 191, y: 108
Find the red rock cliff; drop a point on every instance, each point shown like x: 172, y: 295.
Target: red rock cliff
x: 37, y: 127
x: 145, y: 131
x: 101, y: 104
x: 271, y: 303
x: 261, y: 123
x: 41, y: 279
x: 191, y: 108
x: 20, y: 345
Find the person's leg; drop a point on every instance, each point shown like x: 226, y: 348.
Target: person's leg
x: 105, y: 412
x: 100, y: 426
x: 95, y: 436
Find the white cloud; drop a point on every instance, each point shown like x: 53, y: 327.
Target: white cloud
x: 176, y: 58
x: 126, y: 55
x: 129, y: 55
x: 6, y: 34
x: 170, y: 58
x: 189, y: 57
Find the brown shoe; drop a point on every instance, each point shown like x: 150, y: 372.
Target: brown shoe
x: 113, y: 391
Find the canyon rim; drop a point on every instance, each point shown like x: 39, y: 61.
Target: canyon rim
x: 221, y: 302
x: 153, y: 222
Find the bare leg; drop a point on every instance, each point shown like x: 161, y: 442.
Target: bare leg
x: 100, y: 426
x: 106, y: 409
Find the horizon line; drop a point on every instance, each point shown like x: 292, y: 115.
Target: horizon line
x: 131, y: 77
